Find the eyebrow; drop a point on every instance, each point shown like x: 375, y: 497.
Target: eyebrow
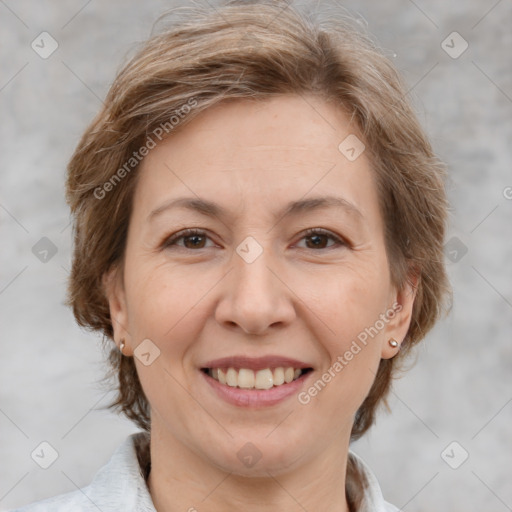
x: 293, y: 208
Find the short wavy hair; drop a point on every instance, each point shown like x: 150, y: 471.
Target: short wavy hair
x: 255, y: 50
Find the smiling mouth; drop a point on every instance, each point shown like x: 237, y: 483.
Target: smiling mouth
x: 245, y: 378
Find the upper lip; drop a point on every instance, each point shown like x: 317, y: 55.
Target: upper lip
x: 256, y: 363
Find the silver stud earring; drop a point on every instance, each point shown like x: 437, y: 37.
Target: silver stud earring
x: 121, y: 346
x: 393, y: 343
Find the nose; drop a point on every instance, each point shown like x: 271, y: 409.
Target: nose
x: 255, y: 296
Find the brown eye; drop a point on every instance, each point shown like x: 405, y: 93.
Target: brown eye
x: 195, y: 239
x: 319, y: 238
x: 192, y: 239
x: 317, y: 241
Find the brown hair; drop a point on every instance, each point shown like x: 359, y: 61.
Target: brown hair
x: 255, y: 50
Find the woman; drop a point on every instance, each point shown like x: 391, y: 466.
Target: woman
x: 259, y: 224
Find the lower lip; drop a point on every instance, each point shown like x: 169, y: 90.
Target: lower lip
x: 255, y: 397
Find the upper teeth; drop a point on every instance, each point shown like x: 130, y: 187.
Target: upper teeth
x: 249, y: 379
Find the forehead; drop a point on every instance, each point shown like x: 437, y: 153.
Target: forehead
x: 290, y: 124
x: 258, y: 153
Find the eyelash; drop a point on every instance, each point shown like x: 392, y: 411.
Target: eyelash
x: 196, y: 232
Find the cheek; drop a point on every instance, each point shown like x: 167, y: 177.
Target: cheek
x: 162, y: 298
x: 347, y: 300
x: 165, y: 307
x: 171, y: 301
x: 350, y: 305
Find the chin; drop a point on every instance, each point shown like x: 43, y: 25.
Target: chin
x: 257, y: 458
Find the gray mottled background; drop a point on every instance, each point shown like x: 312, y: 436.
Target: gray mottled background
x: 460, y: 390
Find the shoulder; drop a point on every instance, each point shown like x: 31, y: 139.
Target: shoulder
x: 76, y: 501
x: 119, y: 485
x: 390, y: 508
x: 371, y: 498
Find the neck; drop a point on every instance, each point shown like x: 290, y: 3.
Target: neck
x: 181, y: 480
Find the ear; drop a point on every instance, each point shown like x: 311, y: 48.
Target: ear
x: 113, y: 287
x: 399, y: 316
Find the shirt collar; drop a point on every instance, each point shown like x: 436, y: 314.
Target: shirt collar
x: 121, y: 484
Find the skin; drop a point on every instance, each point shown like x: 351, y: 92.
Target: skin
x: 299, y: 298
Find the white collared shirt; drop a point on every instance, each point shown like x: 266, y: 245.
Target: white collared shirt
x: 120, y: 485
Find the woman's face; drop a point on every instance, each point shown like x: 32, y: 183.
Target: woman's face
x: 253, y: 290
